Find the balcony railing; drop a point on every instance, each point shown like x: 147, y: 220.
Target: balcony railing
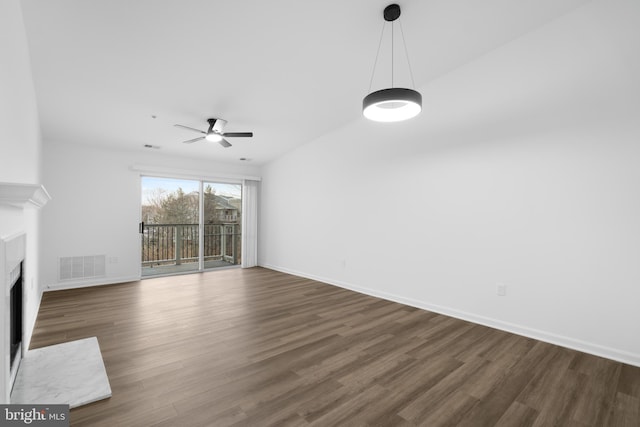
x: 174, y: 244
x: 227, y: 218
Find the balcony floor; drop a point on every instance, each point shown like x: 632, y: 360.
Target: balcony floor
x: 185, y: 267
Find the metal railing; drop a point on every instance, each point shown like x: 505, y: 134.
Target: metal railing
x: 173, y: 244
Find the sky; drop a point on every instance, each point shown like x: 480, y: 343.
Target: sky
x: 150, y: 184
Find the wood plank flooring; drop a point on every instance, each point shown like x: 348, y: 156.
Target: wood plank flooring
x: 257, y: 347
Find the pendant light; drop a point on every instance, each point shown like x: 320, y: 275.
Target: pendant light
x: 393, y: 104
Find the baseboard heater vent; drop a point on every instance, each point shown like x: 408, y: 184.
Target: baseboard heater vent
x: 81, y: 267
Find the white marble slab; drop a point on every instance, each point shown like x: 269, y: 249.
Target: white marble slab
x: 72, y: 373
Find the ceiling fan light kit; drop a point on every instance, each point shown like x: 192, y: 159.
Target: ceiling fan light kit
x: 215, y: 133
x: 213, y: 137
x: 393, y: 104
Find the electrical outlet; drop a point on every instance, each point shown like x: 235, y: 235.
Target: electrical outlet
x: 501, y: 289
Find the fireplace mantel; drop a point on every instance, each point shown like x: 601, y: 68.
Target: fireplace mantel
x: 21, y: 195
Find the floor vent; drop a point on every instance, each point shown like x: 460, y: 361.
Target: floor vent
x: 81, y: 267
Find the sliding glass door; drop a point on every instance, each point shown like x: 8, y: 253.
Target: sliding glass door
x: 170, y: 226
x: 179, y: 217
x: 222, y: 224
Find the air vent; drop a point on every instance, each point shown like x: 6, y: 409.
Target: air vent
x: 81, y: 267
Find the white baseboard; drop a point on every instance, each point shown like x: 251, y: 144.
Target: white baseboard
x: 549, y: 337
x: 75, y: 284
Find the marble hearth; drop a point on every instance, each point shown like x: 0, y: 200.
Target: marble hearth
x: 71, y: 373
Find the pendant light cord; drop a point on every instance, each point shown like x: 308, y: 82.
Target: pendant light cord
x: 392, y: 53
x: 406, y: 53
x: 373, y: 73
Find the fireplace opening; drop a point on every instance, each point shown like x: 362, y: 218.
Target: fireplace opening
x: 15, y: 320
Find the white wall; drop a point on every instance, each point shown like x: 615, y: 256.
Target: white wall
x: 96, y: 208
x: 522, y: 169
x: 20, y: 149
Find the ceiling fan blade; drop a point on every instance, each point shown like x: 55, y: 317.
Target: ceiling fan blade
x: 219, y: 125
x: 187, y: 127
x: 193, y: 140
x: 225, y: 143
x: 238, y: 134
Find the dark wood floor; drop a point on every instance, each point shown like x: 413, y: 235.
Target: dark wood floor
x: 257, y: 347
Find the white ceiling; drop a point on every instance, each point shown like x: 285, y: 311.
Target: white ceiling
x: 290, y: 71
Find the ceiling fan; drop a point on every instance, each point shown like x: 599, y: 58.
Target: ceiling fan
x: 215, y: 133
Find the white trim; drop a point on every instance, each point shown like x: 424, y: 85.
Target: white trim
x: 166, y: 172
x: 21, y: 195
x: 76, y: 284
x: 11, y: 236
x: 549, y: 337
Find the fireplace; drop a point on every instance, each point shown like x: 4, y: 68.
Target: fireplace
x: 18, y: 277
x: 12, y: 265
x: 15, y: 322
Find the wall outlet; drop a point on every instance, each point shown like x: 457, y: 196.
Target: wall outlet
x: 501, y: 289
